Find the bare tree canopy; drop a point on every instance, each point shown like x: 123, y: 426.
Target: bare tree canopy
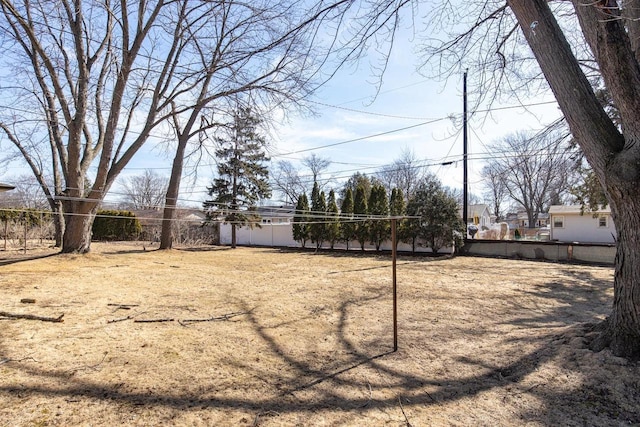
x: 145, y: 191
x: 316, y: 165
x: 404, y: 173
x: 495, y: 189
x: 95, y: 81
x: 290, y: 182
x: 533, y: 170
x: 26, y: 194
x: 287, y: 182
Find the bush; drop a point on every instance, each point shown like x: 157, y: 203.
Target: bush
x: 116, y: 225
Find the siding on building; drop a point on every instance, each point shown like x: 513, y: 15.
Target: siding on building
x: 568, y: 224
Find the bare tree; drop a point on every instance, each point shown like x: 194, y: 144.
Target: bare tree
x: 495, y: 188
x: 290, y: 182
x: 287, y: 182
x: 97, y: 80
x: 533, y: 170
x: 26, y: 194
x: 404, y: 173
x: 145, y: 191
x: 317, y: 165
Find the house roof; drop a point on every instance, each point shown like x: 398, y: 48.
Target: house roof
x: 478, y: 210
x: 6, y: 187
x: 153, y: 216
x: 524, y: 215
x: 574, y: 209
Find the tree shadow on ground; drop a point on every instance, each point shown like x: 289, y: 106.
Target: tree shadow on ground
x: 310, y: 386
x: 18, y: 258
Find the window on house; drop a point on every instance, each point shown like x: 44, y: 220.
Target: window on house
x: 558, y: 222
x: 603, y: 221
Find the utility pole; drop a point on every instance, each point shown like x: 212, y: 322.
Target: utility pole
x: 465, y: 196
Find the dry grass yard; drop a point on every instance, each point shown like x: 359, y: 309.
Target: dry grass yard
x: 266, y: 337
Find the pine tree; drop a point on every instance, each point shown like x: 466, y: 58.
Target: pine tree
x: 438, y: 212
x: 379, y: 229
x: 318, y: 209
x: 347, y: 226
x: 354, y: 181
x: 397, y: 209
x: 242, y: 176
x: 360, y: 212
x: 333, y: 222
x: 300, y: 221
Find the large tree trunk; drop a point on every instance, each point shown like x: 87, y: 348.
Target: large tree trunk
x: 58, y: 225
x: 171, y: 200
x: 621, y: 330
x: 614, y: 156
x: 77, y: 232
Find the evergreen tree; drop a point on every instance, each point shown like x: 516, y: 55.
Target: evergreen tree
x: 438, y: 212
x: 589, y: 193
x: 242, y: 176
x: 301, y: 221
x: 333, y: 222
x: 347, y: 226
x: 318, y: 227
x: 397, y: 209
x: 357, y: 179
x: 379, y: 229
x: 360, y: 212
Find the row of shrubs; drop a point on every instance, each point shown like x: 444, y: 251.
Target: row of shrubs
x: 116, y: 225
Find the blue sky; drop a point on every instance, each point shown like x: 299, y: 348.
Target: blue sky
x: 348, y: 108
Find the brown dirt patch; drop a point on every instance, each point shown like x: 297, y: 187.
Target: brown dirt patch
x: 307, y: 341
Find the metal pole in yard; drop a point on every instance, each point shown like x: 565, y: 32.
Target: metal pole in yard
x: 395, y: 287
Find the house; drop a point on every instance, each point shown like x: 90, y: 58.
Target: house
x: 512, y: 219
x: 523, y: 220
x: 571, y: 224
x: 479, y: 215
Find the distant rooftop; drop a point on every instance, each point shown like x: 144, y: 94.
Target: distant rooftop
x: 567, y: 209
x: 6, y: 187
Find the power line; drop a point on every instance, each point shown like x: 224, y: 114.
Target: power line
x: 371, y: 113
x: 361, y: 138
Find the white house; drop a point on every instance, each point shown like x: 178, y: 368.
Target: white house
x: 570, y: 224
x: 479, y: 215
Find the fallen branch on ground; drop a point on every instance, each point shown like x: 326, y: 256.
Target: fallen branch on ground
x: 152, y: 320
x: 213, y: 319
x: 123, y: 306
x: 3, y: 361
x: 119, y: 320
x: 32, y: 317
